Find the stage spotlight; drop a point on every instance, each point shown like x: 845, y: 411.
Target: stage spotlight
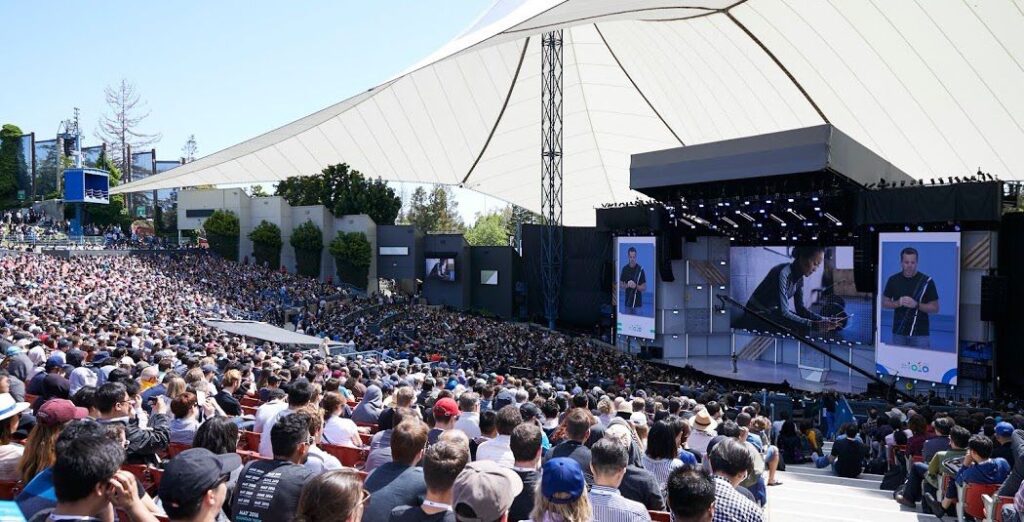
x: 906, y: 228
x: 815, y: 198
x: 933, y: 181
x: 790, y: 200
x: 903, y: 183
x: 920, y: 228
x: 958, y: 179
x: 941, y: 182
x: 950, y: 179
x: 956, y: 228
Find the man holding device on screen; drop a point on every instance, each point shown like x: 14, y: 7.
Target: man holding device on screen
x: 634, y: 280
x: 912, y: 295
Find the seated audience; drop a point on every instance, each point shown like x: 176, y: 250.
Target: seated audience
x: 333, y: 496
x: 442, y: 463
x: 484, y: 491
x: 608, y: 463
x: 268, y: 490
x: 526, y: 448
x: 194, y: 484
x: 399, y: 482
x: 562, y: 494
x: 691, y: 495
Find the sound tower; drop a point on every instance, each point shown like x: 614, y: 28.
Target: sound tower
x: 1009, y: 358
x: 865, y: 261
x: 993, y: 298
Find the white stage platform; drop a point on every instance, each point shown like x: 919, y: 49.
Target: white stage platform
x: 767, y: 372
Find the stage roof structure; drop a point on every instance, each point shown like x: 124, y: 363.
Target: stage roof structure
x: 931, y: 87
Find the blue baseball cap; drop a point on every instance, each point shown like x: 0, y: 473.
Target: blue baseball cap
x: 1004, y: 429
x: 562, y: 480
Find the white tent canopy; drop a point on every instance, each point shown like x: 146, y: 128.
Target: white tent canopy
x: 265, y: 332
x: 934, y: 87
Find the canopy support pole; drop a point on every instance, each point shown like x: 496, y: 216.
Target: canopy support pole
x: 551, y: 170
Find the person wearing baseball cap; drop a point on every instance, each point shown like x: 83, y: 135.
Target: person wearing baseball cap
x: 484, y: 491
x: 194, y: 484
x: 563, y: 492
x: 446, y: 412
x: 1004, y: 442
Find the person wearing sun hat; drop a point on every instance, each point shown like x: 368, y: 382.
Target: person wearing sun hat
x: 194, y: 484
x: 562, y: 494
x: 703, y: 425
x: 10, y: 454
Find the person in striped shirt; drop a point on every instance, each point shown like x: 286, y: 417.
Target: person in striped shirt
x: 608, y: 462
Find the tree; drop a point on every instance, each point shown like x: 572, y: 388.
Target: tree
x: 435, y: 212
x: 120, y: 129
x: 257, y: 191
x: 266, y: 244
x: 222, y: 233
x: 352, y: 255
x: 308, y: 241
x: 343, y: 191
x: 11, y: 160
x: 489, y: 230
x: 190, y: 149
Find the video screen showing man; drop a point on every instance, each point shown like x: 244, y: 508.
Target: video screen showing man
x: 443, y: 269
x: 912, y: 296
x: 634, y: 280
x: 780, y: 296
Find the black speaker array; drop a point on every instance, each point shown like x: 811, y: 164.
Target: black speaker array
x: 1009, y: 357
x: 865, y: 261
x: 993, y: 298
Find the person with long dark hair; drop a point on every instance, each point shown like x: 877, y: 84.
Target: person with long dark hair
x: 791, y: 444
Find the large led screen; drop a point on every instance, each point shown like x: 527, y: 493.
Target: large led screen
x: 806, y: 290
x: 918, y: 302
x: 635, y: 285
x: 441, y: 268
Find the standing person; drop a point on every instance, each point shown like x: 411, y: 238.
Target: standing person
x: 608, y: 463
x: 334, y: 496
x: 194, y: 484
x: 634, y: 280
x: 268, y: 490
x: 913, y: 296
x: 442, y: 463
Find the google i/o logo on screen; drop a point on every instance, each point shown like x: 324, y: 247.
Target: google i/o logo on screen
x: 918, y: 367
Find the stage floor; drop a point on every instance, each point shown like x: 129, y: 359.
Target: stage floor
x: 767, y: 372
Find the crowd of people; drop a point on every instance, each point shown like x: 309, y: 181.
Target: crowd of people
x: 450, y: 416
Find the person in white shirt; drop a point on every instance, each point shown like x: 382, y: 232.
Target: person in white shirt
x: 469, y: 418
x: 318, y: 460
x: 299, y: 395
x: 337, y: 429
x: 499, y: 449
x: 703, y: 431
x: 269, y: 410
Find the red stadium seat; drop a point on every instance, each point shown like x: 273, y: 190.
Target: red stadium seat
x: 148, y: 476
x: 374, y: 428
x: 249, y: 410
x: 366, y: 438
x: 10, y: 489
x: 660, y: 516
x: 351, y: 457
x: 252, y: 440
x: 175, y: 448
x: 252, y: 402
x: 248, y: 456
x: 31, y: 399
x: 973, y: 505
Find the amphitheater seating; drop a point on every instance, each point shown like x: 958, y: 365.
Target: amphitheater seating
x: 148, y: 476
x: 969, y: 499
x: 175, y: 448
x: 10, y: 489
x: 994, y: 507
x: 351, y: 457
x: 809, y: 493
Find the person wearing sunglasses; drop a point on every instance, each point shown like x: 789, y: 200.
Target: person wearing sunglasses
x: 195, y: 483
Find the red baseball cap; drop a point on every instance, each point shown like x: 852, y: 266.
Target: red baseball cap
x: 445, y: 408
x: 59, y: 411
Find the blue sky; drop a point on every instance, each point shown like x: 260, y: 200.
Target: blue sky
x: 222, y: 70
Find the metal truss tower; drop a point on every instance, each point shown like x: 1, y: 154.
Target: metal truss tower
x: 551, y: 170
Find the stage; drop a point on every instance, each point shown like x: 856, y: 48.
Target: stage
x: 771, y: 373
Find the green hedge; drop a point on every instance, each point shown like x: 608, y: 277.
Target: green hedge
x: 352, y: 255
x: 266, y: 244
x: 222, y: 233
x: 307, y: 239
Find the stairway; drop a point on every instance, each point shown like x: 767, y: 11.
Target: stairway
x: 811, y: 494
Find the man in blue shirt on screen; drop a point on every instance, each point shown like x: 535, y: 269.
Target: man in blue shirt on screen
x: 912, y: 296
